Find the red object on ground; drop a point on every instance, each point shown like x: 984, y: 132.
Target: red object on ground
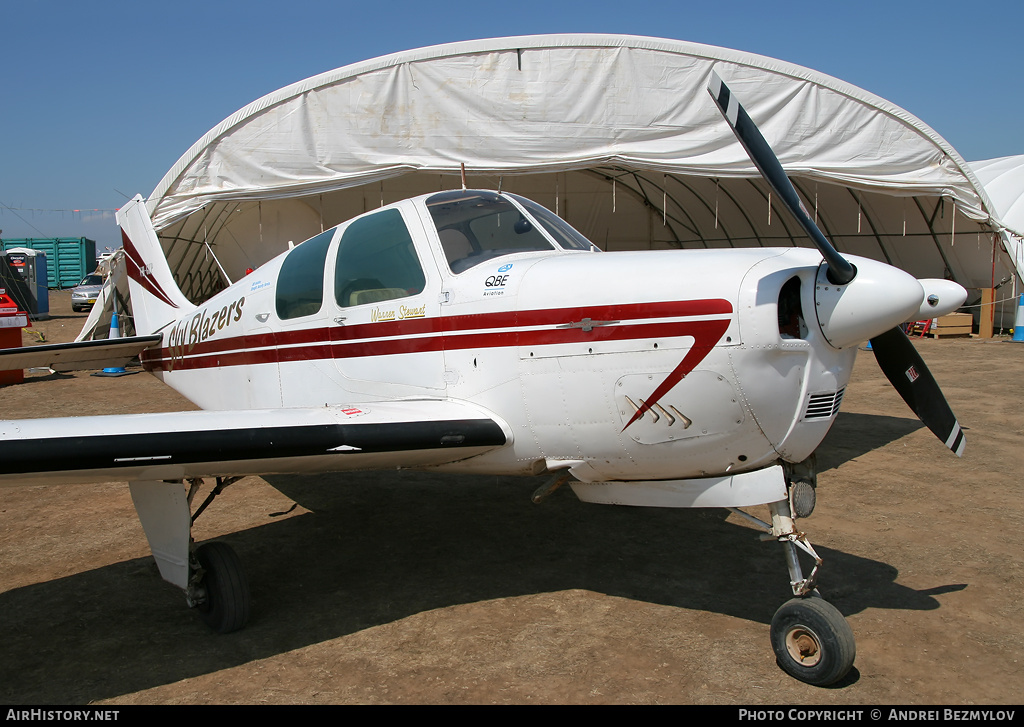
x: 12, y: 321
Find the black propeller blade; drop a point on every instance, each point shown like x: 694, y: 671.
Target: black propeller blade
x: 896, y: 355
x: 840, y: 271
x: 905, y: 369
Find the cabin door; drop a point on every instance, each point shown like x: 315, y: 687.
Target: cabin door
x: 385, y: 327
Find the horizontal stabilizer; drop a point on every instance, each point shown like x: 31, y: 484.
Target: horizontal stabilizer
x: 77, y: 356
x: 179, y: 445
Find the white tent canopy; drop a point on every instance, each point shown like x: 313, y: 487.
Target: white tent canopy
x: 1003, y: 179
x: 615, y: 133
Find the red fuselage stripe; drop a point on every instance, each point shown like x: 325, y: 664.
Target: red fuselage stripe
x: 451, y: 333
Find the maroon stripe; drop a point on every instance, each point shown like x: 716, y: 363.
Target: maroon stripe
x: 454, y: 324
x: 706, y: 334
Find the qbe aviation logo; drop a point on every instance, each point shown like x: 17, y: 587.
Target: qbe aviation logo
x: 495, y: 284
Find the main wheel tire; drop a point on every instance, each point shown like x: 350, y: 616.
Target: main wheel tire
x: 227, y: 603
x: 812, y: 641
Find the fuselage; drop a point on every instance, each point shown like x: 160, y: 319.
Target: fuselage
x: 626, y: 366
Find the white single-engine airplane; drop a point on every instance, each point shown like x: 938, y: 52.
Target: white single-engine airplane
x: 451, y: 331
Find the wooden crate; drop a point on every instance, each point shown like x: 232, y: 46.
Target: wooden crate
x: 955, y: 324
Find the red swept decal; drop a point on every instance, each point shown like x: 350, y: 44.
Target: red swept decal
x: 706, y: 335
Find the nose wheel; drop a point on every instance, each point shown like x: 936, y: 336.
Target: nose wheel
x: 812, y: 641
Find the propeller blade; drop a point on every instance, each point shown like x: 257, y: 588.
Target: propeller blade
x: 903, y: 366
x: 840, y: 271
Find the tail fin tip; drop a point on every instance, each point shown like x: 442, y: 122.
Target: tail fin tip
x: 155, y: 296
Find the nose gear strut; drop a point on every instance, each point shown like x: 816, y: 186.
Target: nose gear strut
x: 783, y: 529
x: 810, y: 637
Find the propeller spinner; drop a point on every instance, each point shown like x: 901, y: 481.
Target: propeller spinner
x: 866, y: 303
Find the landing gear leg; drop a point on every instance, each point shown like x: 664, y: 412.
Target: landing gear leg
x: 810, y: 637
x: 784, y: 530
x: 211, y: 575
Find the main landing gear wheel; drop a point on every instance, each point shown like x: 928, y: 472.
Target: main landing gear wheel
x: 812, y: 641
x: 227, y: 602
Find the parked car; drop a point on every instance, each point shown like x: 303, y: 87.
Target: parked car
x: 84, y: 294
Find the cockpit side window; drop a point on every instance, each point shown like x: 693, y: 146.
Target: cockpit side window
x: 477, y: 226
x: 377, y: 261
x: 300, y: 283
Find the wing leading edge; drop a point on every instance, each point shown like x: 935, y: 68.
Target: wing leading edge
x: 179, y: 445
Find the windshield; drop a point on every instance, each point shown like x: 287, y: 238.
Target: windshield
x: 564, y: 234
x: 477, y: 226
x: 92, y: 280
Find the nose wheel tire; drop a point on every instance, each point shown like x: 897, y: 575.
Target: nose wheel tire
x: 227, y: 603
x: 812, y: 641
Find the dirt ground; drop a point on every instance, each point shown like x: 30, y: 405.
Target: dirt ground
x: 399, y: 587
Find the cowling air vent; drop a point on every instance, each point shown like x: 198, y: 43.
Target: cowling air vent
x: 824, y: 406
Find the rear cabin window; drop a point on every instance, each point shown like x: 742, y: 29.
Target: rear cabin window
x: 300, y: 284
x: 377, y: 261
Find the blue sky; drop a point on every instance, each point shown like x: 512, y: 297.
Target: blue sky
x: 100, y: 98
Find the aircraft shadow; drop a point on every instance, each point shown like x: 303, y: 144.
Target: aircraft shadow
x: 46, y: 378
x: 853, y: 435
x: 379, y: 547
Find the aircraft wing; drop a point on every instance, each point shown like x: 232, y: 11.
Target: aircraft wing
x: 179, y: 445
x: 78, y: 355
